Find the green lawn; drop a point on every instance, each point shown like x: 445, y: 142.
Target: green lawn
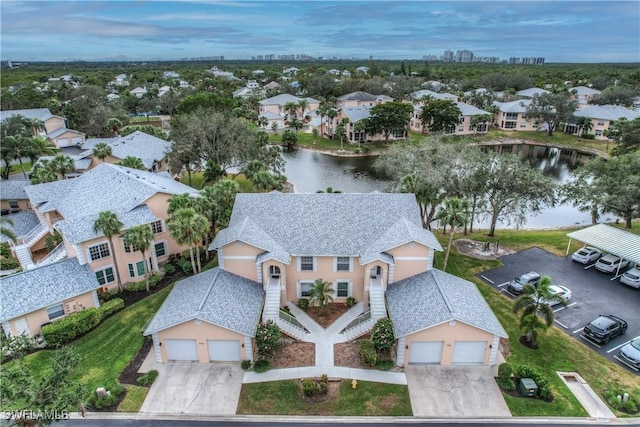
x: 108, y: 349
x: 307, y: 140
x: 197, y: 181
x: 283, y: 398
x: 558, y: 351
x: 16, y: 169
x: 557, y: 139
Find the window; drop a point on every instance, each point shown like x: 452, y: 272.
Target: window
x: 523, y: 124
x: 600, y: 122
x: 342, y: 289
x: 139, y: 268
x: 511, y: 116
x: 13, y: 204
x: 131, y: 248
x: 305, y: 289
x: 343, y: 263
x: 105, y: 276
x: 510, y: 125
x: 55, y: 311
x: 156, y: 227
x: 99, y: 251
x: 160, y: 249
x: 306, y: 263
x: 598, y: 132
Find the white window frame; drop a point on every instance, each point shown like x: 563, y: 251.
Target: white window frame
x: 133, y: 267
x: 164, y: 245
x: 299, y: 287
x: 315, y: 264
x: 335, y: 263
x: 155, y: 224
x: 90, y: 258
x: 102, y: 270
x: 349, y: 288
x: 598, y: 132
x: 53, y: 307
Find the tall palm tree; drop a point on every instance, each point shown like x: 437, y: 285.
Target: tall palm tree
x: 39, y: 146
x: 290, y: 108
x: 140, y: 237
x: 6, y: 231
x: 101, y: 151
x: 263, y: 180
x: 321, y: 294
x: 62, y: 165
x: 302, y: 105
x: 212, y: 172
x: 455, y: 213
x: 530, y: 303
x: 108, y: 224
x: 16, y: 144
x: 263, y: 122
x: 179, y: 201
x: 42, y: 172
x: 132, y: 162
x: 188, y: 227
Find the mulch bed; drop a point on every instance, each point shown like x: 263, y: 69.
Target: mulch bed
x: 333, y: 390
x: 132, y: 297
x: 293, y: 354
x: 524, y: 342
x: 347, y: 354
x: 328, y: 315
x: 130, y: 375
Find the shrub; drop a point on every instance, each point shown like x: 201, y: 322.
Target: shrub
x: 588, y: 136
x: 16, y: 346
x: 544, y: 389
x: 382, y: 335
x: 309, y: 387
x: 614, y: 398
x: 368, y: 353
x: 526, y: 371
x: 261, y: 366
x: 169, y: 268
x: 351, y: 301
x: 185, y: 266
x: 8, y: 263
x: 154, y: 280
x: 245, y: 365
x: 506, y: 383
x: 71, y: 327
x: 323, y: 388
x: 109, y: 402
x: 109, y: 295
x: 385, y: 365
x: 267, y: 337
x: 136, y: 286
x: 148, y: 378
x: 545, y: 392
x: 303, y: 303
x: 505, y: 370
x: 630, y: 406
x: 110, y: 307
x: 4, y: 250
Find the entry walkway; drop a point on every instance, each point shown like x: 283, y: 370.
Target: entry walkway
x: 588, y: 398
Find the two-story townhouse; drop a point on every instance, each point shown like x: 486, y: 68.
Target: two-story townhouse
x: 71, y: 207
x: 13, y: 198
x: 148, y: 148
x: 53, y: 127
x: 371, y: 247
x: 426, y: 93
x: 583, y: 94
x: 361, y: 99
x: 465, y: 124
x: 511, y: 116
x: 275, y: 110
x: 602, y: 118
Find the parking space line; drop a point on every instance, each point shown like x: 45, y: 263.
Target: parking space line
x: 589, y: 266
x: 624, y: 362
x: 561, y: 324
x: 577, y: 330
x: 508, y: 293
x: 618, y: 346
x: 589, y: 341
x: 503, y: 284
x: 487, y: 279
x: 565, y: 306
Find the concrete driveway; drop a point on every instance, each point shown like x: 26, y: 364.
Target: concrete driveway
x: 454, y: 391
x: 194, y: 388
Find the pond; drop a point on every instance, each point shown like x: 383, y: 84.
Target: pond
x: 310, y: 171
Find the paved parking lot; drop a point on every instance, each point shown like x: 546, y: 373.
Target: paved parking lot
x: 593, y: 292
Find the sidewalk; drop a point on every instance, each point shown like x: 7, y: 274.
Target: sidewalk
x: 586, y: 396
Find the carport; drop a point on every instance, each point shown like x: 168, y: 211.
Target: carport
x: 613, y: 240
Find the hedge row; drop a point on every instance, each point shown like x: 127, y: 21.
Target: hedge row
x: 69, y: 328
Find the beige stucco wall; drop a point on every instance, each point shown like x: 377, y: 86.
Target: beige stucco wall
x: 23, y: 204
x: 36, y: 319
x: 450, y: 334
x: 405, y: 265
x: 244, y: 266
x: 53, y: 123
x: 528, y: 124
x: 201, y: 333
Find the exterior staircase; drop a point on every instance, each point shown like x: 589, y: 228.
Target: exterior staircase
x: 359, y: 326
x: 272, y: 301
x: 22, y: 249
x: 290, y: 326
x: 377, y: 310
x: 376, y: 300
x: 58, y: 254
x: 24, y: 256
x: 37, y: 233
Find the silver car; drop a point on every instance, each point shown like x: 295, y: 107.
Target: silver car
x: 631, y: 278
x: 586, y: 255
x: 630, y: 353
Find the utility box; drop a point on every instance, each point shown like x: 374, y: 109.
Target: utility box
x: 528, y: 387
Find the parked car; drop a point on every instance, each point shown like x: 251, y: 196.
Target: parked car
x: 561, y: 294
x: 611, y: 263
x: 586, y: 255
x: 631, y: 278
x: 605, y: 327
x: 630, y: 353
x: 531, y: 278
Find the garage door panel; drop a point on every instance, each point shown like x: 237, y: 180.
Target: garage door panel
x: 224, y: 350
x: 469, y: 352
x: 426, y: 352
x: 181, y: 350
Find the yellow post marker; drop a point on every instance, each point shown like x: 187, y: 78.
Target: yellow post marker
x: 354, y: 384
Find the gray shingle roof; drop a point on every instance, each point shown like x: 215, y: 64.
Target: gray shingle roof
x: 147, y: 148
x: 81, y: 161
x: 249, y: 232
x: 530, y: 92
x: 584, y: 91
x: 607, y: 112
x: 358, y: 96
x: 519, y: 106
x: 356, y: 114
x: 60, y: 131
x: 23, y: 223
x: 470, y: 110
x: 437, y: 95
x: 434, y: 297
x: 13, y: 189
x: 32, y: 113
x: 86, y: 195
x: 328, y: 224
x: 215, y: 296
x: 42, y: 287
x: 283, y: 98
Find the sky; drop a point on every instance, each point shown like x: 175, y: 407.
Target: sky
x: 560, y: 31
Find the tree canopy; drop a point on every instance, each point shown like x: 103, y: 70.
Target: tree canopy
x: 551, y: 108
x: 439, y: 115
x: 389, y: 117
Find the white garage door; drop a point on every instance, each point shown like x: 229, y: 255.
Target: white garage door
x: 469, y: 352
x: 426, y: 352
x: 63, y: 142
x: 224, y: 350
x: 182, y: 350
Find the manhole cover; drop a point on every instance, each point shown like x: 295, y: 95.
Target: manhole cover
x: 570, y: 378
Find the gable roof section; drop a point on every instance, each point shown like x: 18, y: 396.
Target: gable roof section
x: 518, y: 106
x: 215, y: 296
x: 584, y: 91
x: 32, y: 113
x: 532, y: 91
x: 437, y: 95
x: 318, y: 224
x: 470, y: 110
x: 13, y: 189
x: 248, y: 232
x: 358, y: 96
x: 56, y: 133
x: 355, y: 114
x: 434, y: 297
x: 283, y: 98
x: 23, y: 223
x: 42, y: 287
x: 607, y: 112
x: 147, y: 148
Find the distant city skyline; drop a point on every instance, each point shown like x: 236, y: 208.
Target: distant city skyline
x: 559, y: 31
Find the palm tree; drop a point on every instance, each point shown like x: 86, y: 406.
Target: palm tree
x: 295, y: 124
x: 132, y: 162
x: 114, y: 124
x: 188, y: 227
x: 42, y: 172
x: 321, y: 294
x: 263, y: 122
x: 39, y: 146
x: 302, y: 104
x: 329, y: 190
x: 530, y: 303
x: 212, y: 172
x: 252, y: 168
x: 290, y: 108
x: 455, y: 213
x: 6, y: 231
x: 62, y: 165
x: 16, y: 145
x: 263, y: 180
x: 140, y: 237
x: 179, y: 201
x: 108, y: 224
x: 101, y: 151
x: 274, y: 127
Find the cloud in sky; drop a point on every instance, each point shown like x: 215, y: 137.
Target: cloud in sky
x: 560, y: 31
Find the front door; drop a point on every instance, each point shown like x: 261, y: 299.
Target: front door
x: 274, y: 271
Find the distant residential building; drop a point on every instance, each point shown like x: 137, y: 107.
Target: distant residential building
x: 464, y: 126
x: 148, y: 148
x: 602, y: 118
x: 447, y: 56
x: 418, y: 95
x: 464, y: 56
x: 139, y: 92
x: 55, y: 127
x: 583, y: 94
x: 531, y: 92
x: 511, y: 116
